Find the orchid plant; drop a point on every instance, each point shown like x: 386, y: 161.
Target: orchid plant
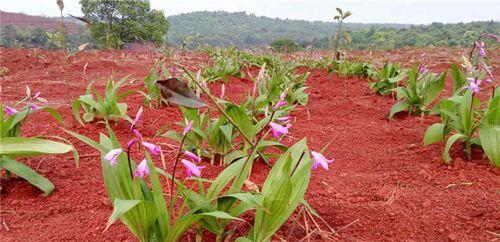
x: 386, y: 78
x: 12, y: 145
x: 462, y: 114
x: 146, y: 213
x: 96, y: 106
x: 418, y: 91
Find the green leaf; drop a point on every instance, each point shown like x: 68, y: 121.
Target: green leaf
x: 31, y: 146
x: 451, y: 140
x: 121, y: 207
x: 28, y: 174
x: 458, y: 78
x: 435, y: 133
x: 220, y: 214
x: 398, y: 107
x: 88, y: 117
x: 490, y: 140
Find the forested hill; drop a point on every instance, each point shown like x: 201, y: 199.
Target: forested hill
x: 247, y: 31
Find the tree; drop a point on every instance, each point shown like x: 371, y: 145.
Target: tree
x: 115, y: 23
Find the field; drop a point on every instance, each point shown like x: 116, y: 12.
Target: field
x: 384, y: 185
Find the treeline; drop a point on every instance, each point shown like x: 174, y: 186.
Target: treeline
x: 435, y: 34
x: 244, y: 30
x: 35, y: 37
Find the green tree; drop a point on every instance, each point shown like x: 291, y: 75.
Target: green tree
x: 115, y: 23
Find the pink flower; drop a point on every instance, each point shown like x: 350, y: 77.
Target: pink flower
x: 284, y: 119
x: 481, y: 49
x: 488, y: 80
x: 34, y: 107
x: 474, y: 86
x: 137, y: 134
x: 422, y: 69
x: 136, y: 119
x: 10, y: 110
x: 278, y: 129
x: 130, y: 143
x: 112, y: 155
x: 222, y: 91
x: 279, y: 104
x: 37, y: 94
x: 261, y: 74
x: 142, y: 169
x: 192, y: 169
x: 283, y: 95
x: 491, y: 36
x: 320, y: 160
x: 189, y: 125
x: 192, y: 156
x: 152, y: 148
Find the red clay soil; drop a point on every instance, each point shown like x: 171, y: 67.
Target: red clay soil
x: 383, y: 186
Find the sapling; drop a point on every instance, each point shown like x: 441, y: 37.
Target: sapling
x: 340, y: 18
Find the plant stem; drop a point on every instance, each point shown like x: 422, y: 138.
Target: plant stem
x: 337, y: 40
x: 175, y: 166
x: 129, y: 165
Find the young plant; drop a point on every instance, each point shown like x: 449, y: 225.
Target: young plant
x: 340, y: 18
x: 418, y: 91
x: 13, y: 146
x: 153, y: 91
x: 387, y: 78
x: 96, y: 106
x: 225, y: 66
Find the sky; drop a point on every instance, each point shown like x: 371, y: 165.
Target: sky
x: 367, y: 11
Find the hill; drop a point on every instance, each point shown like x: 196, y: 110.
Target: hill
x: 244, y: 30
x: 22, y: 20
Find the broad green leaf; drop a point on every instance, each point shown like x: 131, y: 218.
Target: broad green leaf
x: 28, y: 174
x: 490, y: 140
x: 451, y: 140
x: 398, y: 107
x: 120, y: 207
x: 31, y: 146
x: 435, y: 133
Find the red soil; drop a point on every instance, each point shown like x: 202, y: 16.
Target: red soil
x: 384, y: 184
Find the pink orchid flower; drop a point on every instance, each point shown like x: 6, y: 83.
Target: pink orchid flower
x: 284, y: 119
x: 192, y: 156
x: 473, y: 85
x: 222, y: 91
x: 112, y: 155
x: 137, y: 134
x: 10, y: 110
x: 152, y: 148
x: 481, y: 48
x: 192, y: 169
x: 130, y: 143
x: 142, y: 169
x: 37, y: 94
x: 136, y: 119
x: 189, y: 125
x: 279, y: 104
x: 320, y: 160
x: 279, y: 130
